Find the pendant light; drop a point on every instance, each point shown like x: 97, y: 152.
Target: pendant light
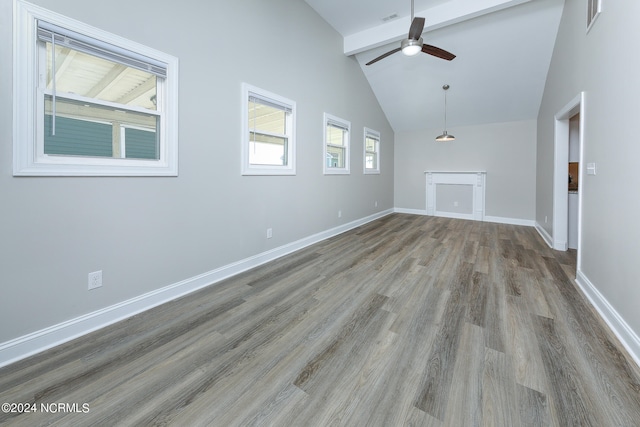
x: 445, y: 137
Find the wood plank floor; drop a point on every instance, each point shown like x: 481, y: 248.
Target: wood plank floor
x: 405, y: 321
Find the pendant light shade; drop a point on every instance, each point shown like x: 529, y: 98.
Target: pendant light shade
x: 445, y: 137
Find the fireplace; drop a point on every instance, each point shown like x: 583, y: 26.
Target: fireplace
x: 456, y: 194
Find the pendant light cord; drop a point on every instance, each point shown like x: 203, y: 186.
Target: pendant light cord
x: 445, y: 110
x: 445, y: 136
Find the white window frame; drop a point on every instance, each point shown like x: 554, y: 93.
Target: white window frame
x: 28, y: 155
x: 338, y: 122
x: 253, y: 169
x: 370, y: 133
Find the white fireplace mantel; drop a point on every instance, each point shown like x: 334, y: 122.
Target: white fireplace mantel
x: 477, y: 179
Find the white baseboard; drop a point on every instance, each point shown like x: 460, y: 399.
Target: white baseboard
x: 496, y: 219
x: 616, y: 323
x: 559, y: 245
x: 33, y: 343
x: 545, y: 236
x: 454, y: 215
x: 620, y: 328
x: 512, y: 221
x: 410, y: 211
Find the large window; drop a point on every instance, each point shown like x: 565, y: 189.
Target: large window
x: 89, y: 102
x: 268, y: 129
x: 336, y: 145
x: 371, y: 151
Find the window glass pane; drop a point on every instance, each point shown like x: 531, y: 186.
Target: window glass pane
x: 268, y: 145
x: 92, y: 77
x: 267, y: 150
x: 335, y: 135
x: 370, y: 144
x: 371, y: 161
x: 77, y: 138
x: 335, y: 157
x: 81, y: 127
x: 267, y: 118
x: 141, y: 144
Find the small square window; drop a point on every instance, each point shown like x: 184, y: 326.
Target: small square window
x: 336, y: 145
x: 268, y: 143
x: 371, y: 151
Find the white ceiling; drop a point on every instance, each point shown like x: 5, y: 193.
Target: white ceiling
x: 503, y: 50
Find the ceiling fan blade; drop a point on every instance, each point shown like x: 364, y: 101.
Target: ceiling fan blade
x: 416, y: 28
x: 384, y: 55
x: 436, y: 51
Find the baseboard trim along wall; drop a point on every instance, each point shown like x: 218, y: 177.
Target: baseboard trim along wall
x: 616, y: 323
x: 411, y: 211
x: 487, y: 218
x: 545, y: 236
x: 512, y: 221
x: 33, y: 343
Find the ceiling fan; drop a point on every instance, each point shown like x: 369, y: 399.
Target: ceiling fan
x: 413, y: 44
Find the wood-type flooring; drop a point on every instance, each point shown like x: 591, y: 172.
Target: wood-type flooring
x: 405, y: 321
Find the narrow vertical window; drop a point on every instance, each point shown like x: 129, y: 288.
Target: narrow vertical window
x: 371, y: 151
x: 336, y: 145
x: 268, y: 146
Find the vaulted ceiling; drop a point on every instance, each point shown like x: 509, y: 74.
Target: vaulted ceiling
x: 503, y: 50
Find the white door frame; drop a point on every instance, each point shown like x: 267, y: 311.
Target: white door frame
x: 560, y: 175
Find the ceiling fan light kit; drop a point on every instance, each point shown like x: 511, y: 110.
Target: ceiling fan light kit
x: 414, y: 44
x: 445, y: 137
x: 411, y: 47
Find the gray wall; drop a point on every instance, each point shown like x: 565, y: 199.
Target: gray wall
x: 605, y: 64
x: 148, y: 233
x: 507, y: 151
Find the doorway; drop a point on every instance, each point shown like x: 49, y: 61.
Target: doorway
x: 574, y: 181
x: 563, y: 135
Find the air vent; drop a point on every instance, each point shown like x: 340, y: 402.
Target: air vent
x: 390, y: 17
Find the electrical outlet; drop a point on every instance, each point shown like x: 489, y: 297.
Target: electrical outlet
x: 95, y: 280
x: 375, y: 204
x: 455, y: 204
x: 339, y: 214
x: 269, y: 233
x: 545, y: 219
